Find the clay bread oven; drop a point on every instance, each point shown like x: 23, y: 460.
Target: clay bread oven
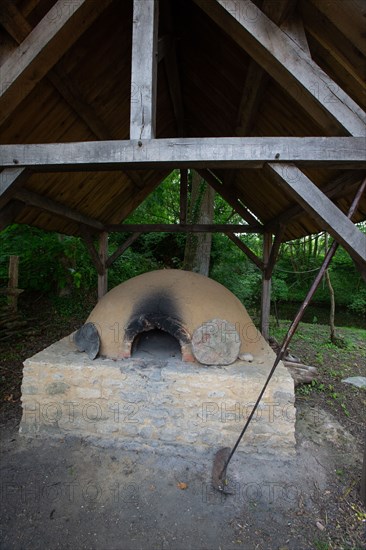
x: 209, y: 322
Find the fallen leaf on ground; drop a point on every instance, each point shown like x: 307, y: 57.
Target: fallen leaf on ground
x: 182, y: 485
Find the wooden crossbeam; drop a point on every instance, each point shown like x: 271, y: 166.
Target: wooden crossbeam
x: 21, y: 71
x: 334, y: 152
x: 88, y: 239
x: 121, y: 249
x: 49, y: 205
x: 144, y: 69
x: 247, y: 251
x: 227, y: 193
x: 322, y: 209
x: 336, y: 187
x: 11, y: 179
x: 182, y: 228
x: 289, y: 65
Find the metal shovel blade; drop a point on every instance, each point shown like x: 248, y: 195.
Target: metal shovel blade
x: 219, y: 470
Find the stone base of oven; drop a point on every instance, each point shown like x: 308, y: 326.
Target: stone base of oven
x: 157, y: 403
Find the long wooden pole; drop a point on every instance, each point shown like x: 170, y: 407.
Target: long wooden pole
x: 295, y: 323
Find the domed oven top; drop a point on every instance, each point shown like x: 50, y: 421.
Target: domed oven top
x: 199, y: 312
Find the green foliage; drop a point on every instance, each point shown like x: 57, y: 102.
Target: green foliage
x: 50, y: 262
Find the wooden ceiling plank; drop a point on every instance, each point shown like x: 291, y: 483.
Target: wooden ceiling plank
x: 347, y: 18
x: 144, y: 69
x: 42, y: 48
x: 11, y: 179
x: 334, y: 152
x: 289, y: 65
x: 44, y: 203
x: 322, y: 209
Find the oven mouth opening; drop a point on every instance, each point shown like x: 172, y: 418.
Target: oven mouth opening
x: 156, y: 344
x: 165, y: 332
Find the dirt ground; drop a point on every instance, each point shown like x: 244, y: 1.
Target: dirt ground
x: 72, y: 493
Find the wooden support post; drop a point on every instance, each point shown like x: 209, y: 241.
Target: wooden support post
x: 13, y: 290
x: 103, y: 255
x: 183, y: 196
x: 266, y: 286
x: 363, y: 476
x: 144, y: 69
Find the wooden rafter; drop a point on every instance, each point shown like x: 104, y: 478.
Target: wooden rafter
x: 226, y: 191
x: 346, y: 17
x: 19, y: 28
x: 44, y: 203
x: 257, y: 78
x: 143, y: 73
x: 247, y: 251
x: 289, y: 65
x: 346, y: 182
x: 321, y: 208
x: 121, y: 249
x: 21, y: 71
x: 188, y: 153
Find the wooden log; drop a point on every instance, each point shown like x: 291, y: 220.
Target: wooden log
x: 302, y: 374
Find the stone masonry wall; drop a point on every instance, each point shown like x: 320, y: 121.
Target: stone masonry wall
x: 157, y: 403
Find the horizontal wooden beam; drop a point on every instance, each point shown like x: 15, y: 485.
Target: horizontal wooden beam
x: 322, y: 209
x: 54, y: 207
x: 247, y: 251
x: 288, y: 64
x: 182, y: 228
x: 334, y: 152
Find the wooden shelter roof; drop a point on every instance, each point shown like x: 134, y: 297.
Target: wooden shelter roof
x: 215, y: 79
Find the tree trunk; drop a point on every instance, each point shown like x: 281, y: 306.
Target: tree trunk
x: 201, y: 210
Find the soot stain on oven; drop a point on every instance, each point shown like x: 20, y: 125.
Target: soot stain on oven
x: 157, y: 311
